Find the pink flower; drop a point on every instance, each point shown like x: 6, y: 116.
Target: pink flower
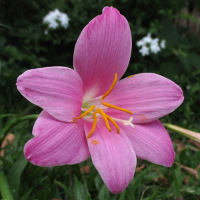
x: 89, y: 111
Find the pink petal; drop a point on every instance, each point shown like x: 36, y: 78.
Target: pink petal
x: 59, y: 143
x: 112, y: 155
x: 151, y: 142
x: 103, y: 49
x: 148, y: 96
x: 58, y: 90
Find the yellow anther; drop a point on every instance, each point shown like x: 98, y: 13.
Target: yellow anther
x: 116, y: 107
x: 85, y: 113
x: 115, y: 124
x: 94, y: 124
x: 111, y: 88
x: 103, y: 114
x: 104, y: 117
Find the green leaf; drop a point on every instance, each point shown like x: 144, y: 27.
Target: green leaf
x: 122, y: 196
x: 26, y: 195
x: 5, y: 26
x: 195, y: 60
x: 103, y: 193
x: 14, y: 175
x: 177, y: 180
x: 4, y: 187
x: 169, y: 32
x: 79, y: 192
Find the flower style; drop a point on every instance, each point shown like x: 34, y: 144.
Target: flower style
x: 89, y: 111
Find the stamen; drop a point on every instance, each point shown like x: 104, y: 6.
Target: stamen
x: 115, y: 124
x: 116, y: 107
x: 111, y: 88
x: 94, y: 124
x: 104, y: 117
x: 103, y: 114
x: 85, y: 113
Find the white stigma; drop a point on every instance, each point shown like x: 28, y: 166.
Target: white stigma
x: 129, y: 122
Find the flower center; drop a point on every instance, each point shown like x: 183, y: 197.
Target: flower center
x: 106, y: 117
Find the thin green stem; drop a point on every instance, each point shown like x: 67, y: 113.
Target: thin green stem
x: 16, y: 121
x: 5, y: 26
x: 4, y: 187
x: 7, y: 115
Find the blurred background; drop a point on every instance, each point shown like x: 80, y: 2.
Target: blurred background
x: 39, y: 33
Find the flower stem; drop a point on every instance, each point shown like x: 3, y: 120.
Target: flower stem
x: 4, y: 187
x: 190, y: 134
x: 6, y: 115
x: 12, y: 123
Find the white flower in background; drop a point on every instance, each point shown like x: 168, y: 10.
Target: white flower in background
x: 45, y: 32
x: 154, y: 46
x: 144, y: 50
x: 140, y: 43
x: 162, y: 44
x: 187, y: 87
x: 147, y: 44
x: 55, y: 18
x: 148, y: 38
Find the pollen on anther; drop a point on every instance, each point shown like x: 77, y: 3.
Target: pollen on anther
x: 85, y: 113
x: 111, y: 88
x: 93, y: 125
x: 104, y: 117
x: 114, y: 123
x: 130, y: 76
x: 116, y: 107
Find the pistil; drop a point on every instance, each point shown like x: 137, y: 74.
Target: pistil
x: 104, y: 115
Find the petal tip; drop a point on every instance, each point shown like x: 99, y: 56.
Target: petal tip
x: 117, y: 189
x: 181, y: 96
x: 110, y: 9
x: 171, y: 160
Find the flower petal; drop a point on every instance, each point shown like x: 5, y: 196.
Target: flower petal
x: 148, y: 96
x: 58, y: 90
x: 103, y: 49
x: 151, y: 142
x: 59, y: 143
x: 112, y: 155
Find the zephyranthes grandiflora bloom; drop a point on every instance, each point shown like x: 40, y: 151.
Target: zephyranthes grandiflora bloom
x: 88, y: 111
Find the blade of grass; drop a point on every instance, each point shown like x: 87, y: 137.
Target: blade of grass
x: 6, y: 115
x: 15, y: 121
x: 4, y: 187
x: 14, y: 175
x: 5, y: 26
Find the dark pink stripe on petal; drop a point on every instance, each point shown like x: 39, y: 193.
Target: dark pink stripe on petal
x: 148, y: 96
x: 151, y: 142
x: 56, y: 143
x: 103, y: 49
x: 112, y: 155
x: 58, y: 90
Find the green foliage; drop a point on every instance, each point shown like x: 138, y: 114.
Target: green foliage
x: 24, y: 45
